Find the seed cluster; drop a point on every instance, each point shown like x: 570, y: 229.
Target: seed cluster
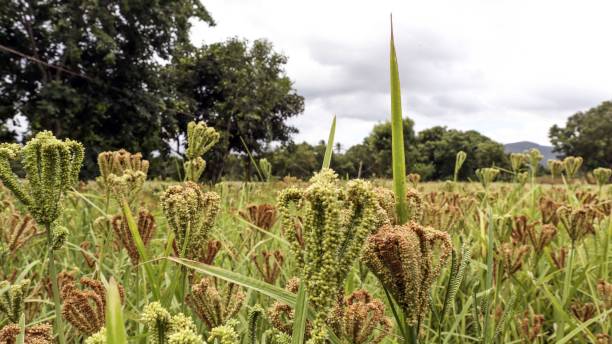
x: 86, y: 309
x: 170, y: 329
x: 11, y: 301
x: 215, y: 307
x: 403, y: 258
x: 51, y: 166
x: 146, y: 228
x: 191, y: 214
x: 336, y: 223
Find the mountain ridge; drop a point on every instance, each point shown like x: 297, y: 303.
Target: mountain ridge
x: 522, y: 146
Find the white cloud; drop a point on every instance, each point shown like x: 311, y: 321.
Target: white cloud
x: 509, y: 69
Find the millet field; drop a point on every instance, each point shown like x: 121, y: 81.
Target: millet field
x: 515, y: 257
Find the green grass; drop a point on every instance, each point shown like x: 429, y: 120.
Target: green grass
x: 538, y: 283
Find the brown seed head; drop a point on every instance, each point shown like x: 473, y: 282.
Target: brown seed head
x: 85, y: 309
x: 262, y: 215
x: 36, y: 334
x: 146, y: 228
x: 403, y: 259
x: 213, y: 306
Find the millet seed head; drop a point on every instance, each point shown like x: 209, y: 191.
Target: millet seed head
x: 51, y: 165
x: 191, y: 213
x: 571, y: 165
x: 404, y: 260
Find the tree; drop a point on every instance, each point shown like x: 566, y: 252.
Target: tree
x: 586, y: 134
x: 297, y: 160
x: 376, y: 158
x: 90, y: 70
x: 438, y: 146
x: 242, y: 90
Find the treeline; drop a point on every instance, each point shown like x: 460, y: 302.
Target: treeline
x: 430, y: 153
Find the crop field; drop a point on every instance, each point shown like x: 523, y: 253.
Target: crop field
x: 519, y: 256
x: 167, y: 262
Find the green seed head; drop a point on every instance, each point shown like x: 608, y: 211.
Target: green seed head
x: 572, y: 165
x: 126, y: 186
x: 556, y: 167
x: 522, y: 178
x: 200, y: 139
x: 602, y: 175
x: 185, y: 337
x: 194, y: 168
x: 517, y: 160
x: 58, y: 236
x: 534, y: 158
x: 225, y: 334
x: 191, y: 214
x: 164, y: 328
x: 336, y: 221
x: 97, y: 338
x: 51, y: 165
x: 12, y: 300
x: 266, y: 168
x: 157, y: 320
x: 459, y: 160
x: 117, y: 163
x: 487, y: 175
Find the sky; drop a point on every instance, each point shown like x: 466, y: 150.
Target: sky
x: 509, y: 69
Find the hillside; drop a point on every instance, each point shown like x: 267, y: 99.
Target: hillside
x: 518, y: 147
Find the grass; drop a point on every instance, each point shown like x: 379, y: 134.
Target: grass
x: 538, y: 282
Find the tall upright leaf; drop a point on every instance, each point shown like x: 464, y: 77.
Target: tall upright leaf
x: 115, y: 328
x: 397, y: 137
x: 330, y: 145
x: 301, y: 311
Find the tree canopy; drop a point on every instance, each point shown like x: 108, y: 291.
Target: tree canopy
x: 90, y: 70
x: 586, y: 134
x: 241, y: 89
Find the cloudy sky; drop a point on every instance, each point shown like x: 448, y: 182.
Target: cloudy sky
x: 509, y: 69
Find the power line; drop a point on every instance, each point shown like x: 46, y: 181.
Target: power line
x: 60, y: 68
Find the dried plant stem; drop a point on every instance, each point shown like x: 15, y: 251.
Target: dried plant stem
x: 59, y: 326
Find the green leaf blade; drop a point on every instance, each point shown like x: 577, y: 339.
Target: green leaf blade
x: 330, y: 144
x: 397, y: 137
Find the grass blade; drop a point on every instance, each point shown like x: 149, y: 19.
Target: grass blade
x: 397, y: 138
x: 301, y: 313
x: 21, y: 336
x: 489, y: 277
x: 267, y: 289
x: 140, y: 247
x: 264, y: 288
x: 584, y: 326
x: 330, y: 145
x: 246, y: 148
x: 115, y: 328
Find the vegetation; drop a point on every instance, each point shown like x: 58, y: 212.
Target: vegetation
x: 152, y: 262
x: 586, y: 134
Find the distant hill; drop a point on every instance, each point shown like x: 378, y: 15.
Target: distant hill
x: 519, y: 147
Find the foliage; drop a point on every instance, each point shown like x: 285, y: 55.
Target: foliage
x: 438, y: 146
x: 586, y: 134
x: 104, y: 88
x: 240, y: 89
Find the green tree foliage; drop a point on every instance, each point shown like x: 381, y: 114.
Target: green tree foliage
x: 238, y: 88
x: 431, y: 153
x: 89, y: 70
x: 297, y: 160
x: 438, y: 147
x: 586, y: 134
